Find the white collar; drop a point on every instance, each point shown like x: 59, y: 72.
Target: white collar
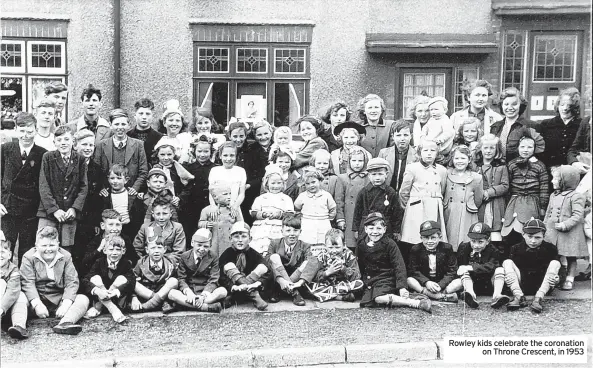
x: 27, y: 150
x: 116, y: 142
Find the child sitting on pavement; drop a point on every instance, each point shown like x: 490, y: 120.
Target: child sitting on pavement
x: 383, y: 268
x: 198, y: 276
x: 479, y: 268
x: 532, y: 267
x: 50, y: 282
x: 111, y: 281
x: 287, y: 258
x: 433, y: 266
x: 242, y: 269
x: 333, y: 273
x: 155, y: 278
x: 170, y: 233
x: 12, y: 299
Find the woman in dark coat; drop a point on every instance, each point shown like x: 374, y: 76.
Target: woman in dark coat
x: 256, y: 160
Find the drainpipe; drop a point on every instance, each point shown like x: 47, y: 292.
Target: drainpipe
x: 117, y: 53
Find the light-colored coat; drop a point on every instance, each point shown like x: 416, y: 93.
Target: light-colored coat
x: 103, y: 128
x: 421, y: 194
x: 490, y: 117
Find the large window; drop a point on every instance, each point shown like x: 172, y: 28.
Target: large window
x: 252, y: 81
x: 27, y: 66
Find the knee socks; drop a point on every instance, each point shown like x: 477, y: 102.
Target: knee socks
x: 498, y: 281
x: 511, y: 279
x: 550, y: 279
x: 468, y: 283
x: 18, y: 313
x: 154, y: 302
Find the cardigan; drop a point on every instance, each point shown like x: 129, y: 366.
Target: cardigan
x: 559, y: 138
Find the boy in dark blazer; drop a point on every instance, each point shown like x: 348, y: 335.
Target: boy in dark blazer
x: 121, y: 149
x: 143, y: 130
x: 287, y: 258
x: 20, y: 167
x: 198, y: 276
x: 433, y: 265
x: 110, y: 281
x: 63, y: 187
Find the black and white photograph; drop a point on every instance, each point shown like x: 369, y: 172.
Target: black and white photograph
x: 295, y: 183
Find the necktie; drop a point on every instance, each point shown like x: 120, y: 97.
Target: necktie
x: 66, y: 160
x: 112, y: 265
x: 120, y: 145
x: 24, y: 155
x: 241, y: 262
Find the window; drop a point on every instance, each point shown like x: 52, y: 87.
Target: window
x: 514, y: 59
x: 252, y: 81
x: 554, y: 58
x: 463, y: 76
x: 27, y: 66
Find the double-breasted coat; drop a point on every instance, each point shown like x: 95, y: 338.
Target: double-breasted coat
x: 495, y: 178
x: 200, y: 275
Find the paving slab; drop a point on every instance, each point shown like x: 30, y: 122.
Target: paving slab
x: 298, y: 356
x: 379, y: 353
x: 221, y: 359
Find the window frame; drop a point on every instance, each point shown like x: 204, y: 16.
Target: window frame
x: 236, y: 62
x: 229, y: 61
x: 47, y: 71
x: 23, y: 67
x: 574, y: 58
x: 305, y: 60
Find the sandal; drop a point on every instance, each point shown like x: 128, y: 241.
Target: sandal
x: 567, y: 285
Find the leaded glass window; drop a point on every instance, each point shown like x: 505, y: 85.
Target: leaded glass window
x: 416, y: 84
x: 554, y: 58
x: 213, y: 60
x: 46, y: 57
x: 12, y: 56
x: 514, y: 59
x: 463, y: 76
x: 289, y: 61
x: 252, y: 60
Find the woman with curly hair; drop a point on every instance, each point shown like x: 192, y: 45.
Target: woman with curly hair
x: 477, y: 94
x: 337, y: 114
x: 371, y: 112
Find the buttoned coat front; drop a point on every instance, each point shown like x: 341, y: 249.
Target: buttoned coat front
x: 199, y: 277
x: 135, y: 161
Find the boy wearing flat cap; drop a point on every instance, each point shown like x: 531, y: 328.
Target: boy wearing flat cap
x: 532, y: 267
x: 433, y: 266
x: 479, y: 268
x: 198, y: 276
x: 242, y: 269
x: 377, y: 196
x: 383, y: 269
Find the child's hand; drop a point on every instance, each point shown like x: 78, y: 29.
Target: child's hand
x: 115, y: 293
x: 433, y: 287
x: 235, y: 211
x: 356, y: 235
x: 404, y: 293
x: 486, y: 196
x: 397, y: 236
x: 199, y: 301
x: 175, y: 201
x: 132, y: 191
x: 276, y: 215
x: 333, y: 268
x: 209, y: 224
x: 238, y: 288
x: 63, y: 308
x: 253, y: 286
x: 70, y: 214
x: 140, y: 195
x: 41, y: 311
x: 559, y: 226
x: 101, y: 293
x: 60, y: 215
x: 104, y: 193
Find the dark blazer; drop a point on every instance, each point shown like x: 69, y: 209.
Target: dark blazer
x: 152, y: 139
x: 20, y: 183
x: 90, y: 212
x: 61, y: 187
x: 559, y: 138
x: 90, y: 255
x: 483, y: 264
x: 300, y: 253
x: 135, y: 161
x: 101, y: 268
x: 582, y: 141
x: 201, y: 277
x: 446, y: 264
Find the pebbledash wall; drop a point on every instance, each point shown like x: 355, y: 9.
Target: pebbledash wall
x: 357, y: 46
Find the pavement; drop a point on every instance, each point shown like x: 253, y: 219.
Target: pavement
x: 330, y: 352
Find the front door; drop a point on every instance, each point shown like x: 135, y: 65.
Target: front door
x: 554, y: 64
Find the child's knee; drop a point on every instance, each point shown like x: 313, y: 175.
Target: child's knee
x: 260, y: 270
x: 2, y: 284
x: 498, y: 272
x: 275, y: 258
x: 82, y: 300
x: 172, y: 282
x: 96, y: 280
x: 508, y: 264
x: 554, y: 267
x: 229, y: 266
x: 120, y: 280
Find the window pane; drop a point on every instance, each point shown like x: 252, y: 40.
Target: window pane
x: 289, y: 100
x: 289, y: 61
x: 431, y: 84
x: 251, y: 103
x: 252, y: 60
x: 13, y: 97
x: 554, y: 58
x: 213, y: 60
x: 46, y: 56
x: 513, y: 59
x: 463, y: 75
x: 11, y: 55
x: 214, y: 97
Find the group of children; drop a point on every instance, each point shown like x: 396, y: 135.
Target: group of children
x: 226, y: 221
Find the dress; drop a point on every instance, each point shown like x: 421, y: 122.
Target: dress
x: 495, y: 178
x: 528, y: 181
x: 463, y: 196
x: 317, y: 210
x: 421, y: 194
x: 235, y: 177
x: 567, y: 207
x: 221, y: 231
x: 348, y: 187
x: 268, y: 228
